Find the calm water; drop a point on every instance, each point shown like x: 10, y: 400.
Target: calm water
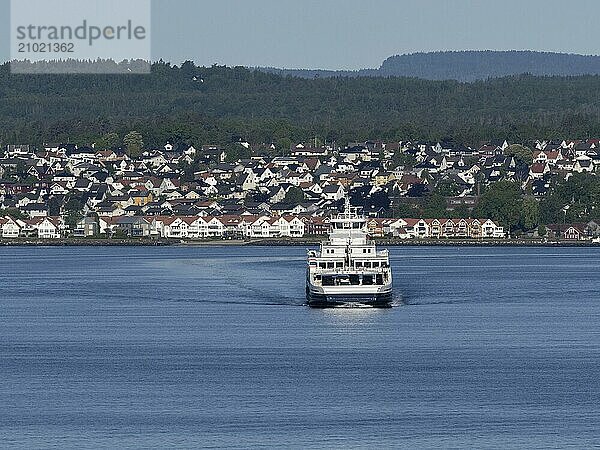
x: 211, y: 347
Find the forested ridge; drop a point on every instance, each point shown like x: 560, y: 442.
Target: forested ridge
x: 215, y: 104
x: 466, y: 66
x: 481, y: 65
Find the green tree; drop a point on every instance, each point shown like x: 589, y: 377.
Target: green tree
x: 401, y: 158
x: 461, y: 212
x: 54, y: 206
x: 542, y: 231
x: 109, y: 140
x: 530, y: 214
x: 294, y: 195
x: 435, y: 207
x: 502, y: 202
x: 236, y: 151
x: 551, y: 209
x: 21, y: 170
x: 283, y: 145
x: 574, y: 200
x: 120, y: 233
x: 187, y: 171
x: 73, y: 212
x: 522, y: 154
x: 134, y: 144
x: 447, y: 188
x: 73, y: 204
x: 72, y: 218
x: 405, y: 211
x: 15, y: 213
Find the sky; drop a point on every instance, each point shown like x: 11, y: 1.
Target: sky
x: 354, y: 34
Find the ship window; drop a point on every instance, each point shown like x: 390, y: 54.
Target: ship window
x: 339, y: 265
x: 364, y: 250
x: 367, y: 280
x: 328, y: 281
x: 376, y: 264
x: 367, y: 265
x: 380, y: 279
x: 330, y: 265
x: 359, y: 264
x: 323, y: 265
x: 354, y: 280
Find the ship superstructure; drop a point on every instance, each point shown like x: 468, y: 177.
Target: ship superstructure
x: 348, y: 270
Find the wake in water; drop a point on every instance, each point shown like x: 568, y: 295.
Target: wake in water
x: 283, y: 302
x: 273, y: 300
x: 398, y: 302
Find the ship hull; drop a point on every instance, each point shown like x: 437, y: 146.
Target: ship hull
x: 342, y: 299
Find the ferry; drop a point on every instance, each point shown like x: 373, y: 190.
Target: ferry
x: 348, y: 270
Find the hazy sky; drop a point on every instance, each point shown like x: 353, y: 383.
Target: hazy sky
x: 351, y: 34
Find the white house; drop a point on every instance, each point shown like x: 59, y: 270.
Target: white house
x: 215, y: 228
x: 583, y: 164
x: 247, y: 181
x: 333, y: 192
x: 10, y: 228
x: 47, y: 227
x: 175, y: 227
x: 290, y: 226
x: 263, y: 227
x: 397, y: 228
x: 490, y: 230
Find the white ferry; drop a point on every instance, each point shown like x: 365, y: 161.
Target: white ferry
x: 348, y: 270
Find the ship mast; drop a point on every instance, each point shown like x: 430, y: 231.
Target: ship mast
x: 347, y: 204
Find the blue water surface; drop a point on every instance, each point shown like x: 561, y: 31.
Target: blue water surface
x: 188, y: 347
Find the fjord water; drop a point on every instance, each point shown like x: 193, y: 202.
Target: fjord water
x: 212, y: 347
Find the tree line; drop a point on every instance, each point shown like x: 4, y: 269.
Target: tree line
x: 217, y: 104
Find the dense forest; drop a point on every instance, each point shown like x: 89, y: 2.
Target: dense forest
x: 471, y: 66
x: 218, y: 104
x: 467, y: 66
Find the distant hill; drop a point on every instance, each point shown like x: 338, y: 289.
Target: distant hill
x: 467, y: 66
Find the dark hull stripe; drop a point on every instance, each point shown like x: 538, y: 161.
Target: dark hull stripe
x: 329, y: 301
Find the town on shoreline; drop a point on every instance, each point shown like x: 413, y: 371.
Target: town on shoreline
x: 412, y: 192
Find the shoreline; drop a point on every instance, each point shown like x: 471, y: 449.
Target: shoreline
x: 74, y: 242
x: 435, y: 243
x: 304, y: 242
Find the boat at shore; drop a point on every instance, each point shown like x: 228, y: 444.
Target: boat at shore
x: 348, y: 270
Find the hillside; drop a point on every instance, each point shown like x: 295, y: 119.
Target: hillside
x: 470, y: 66
x: 214, y: 104
x: 467, y: 66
